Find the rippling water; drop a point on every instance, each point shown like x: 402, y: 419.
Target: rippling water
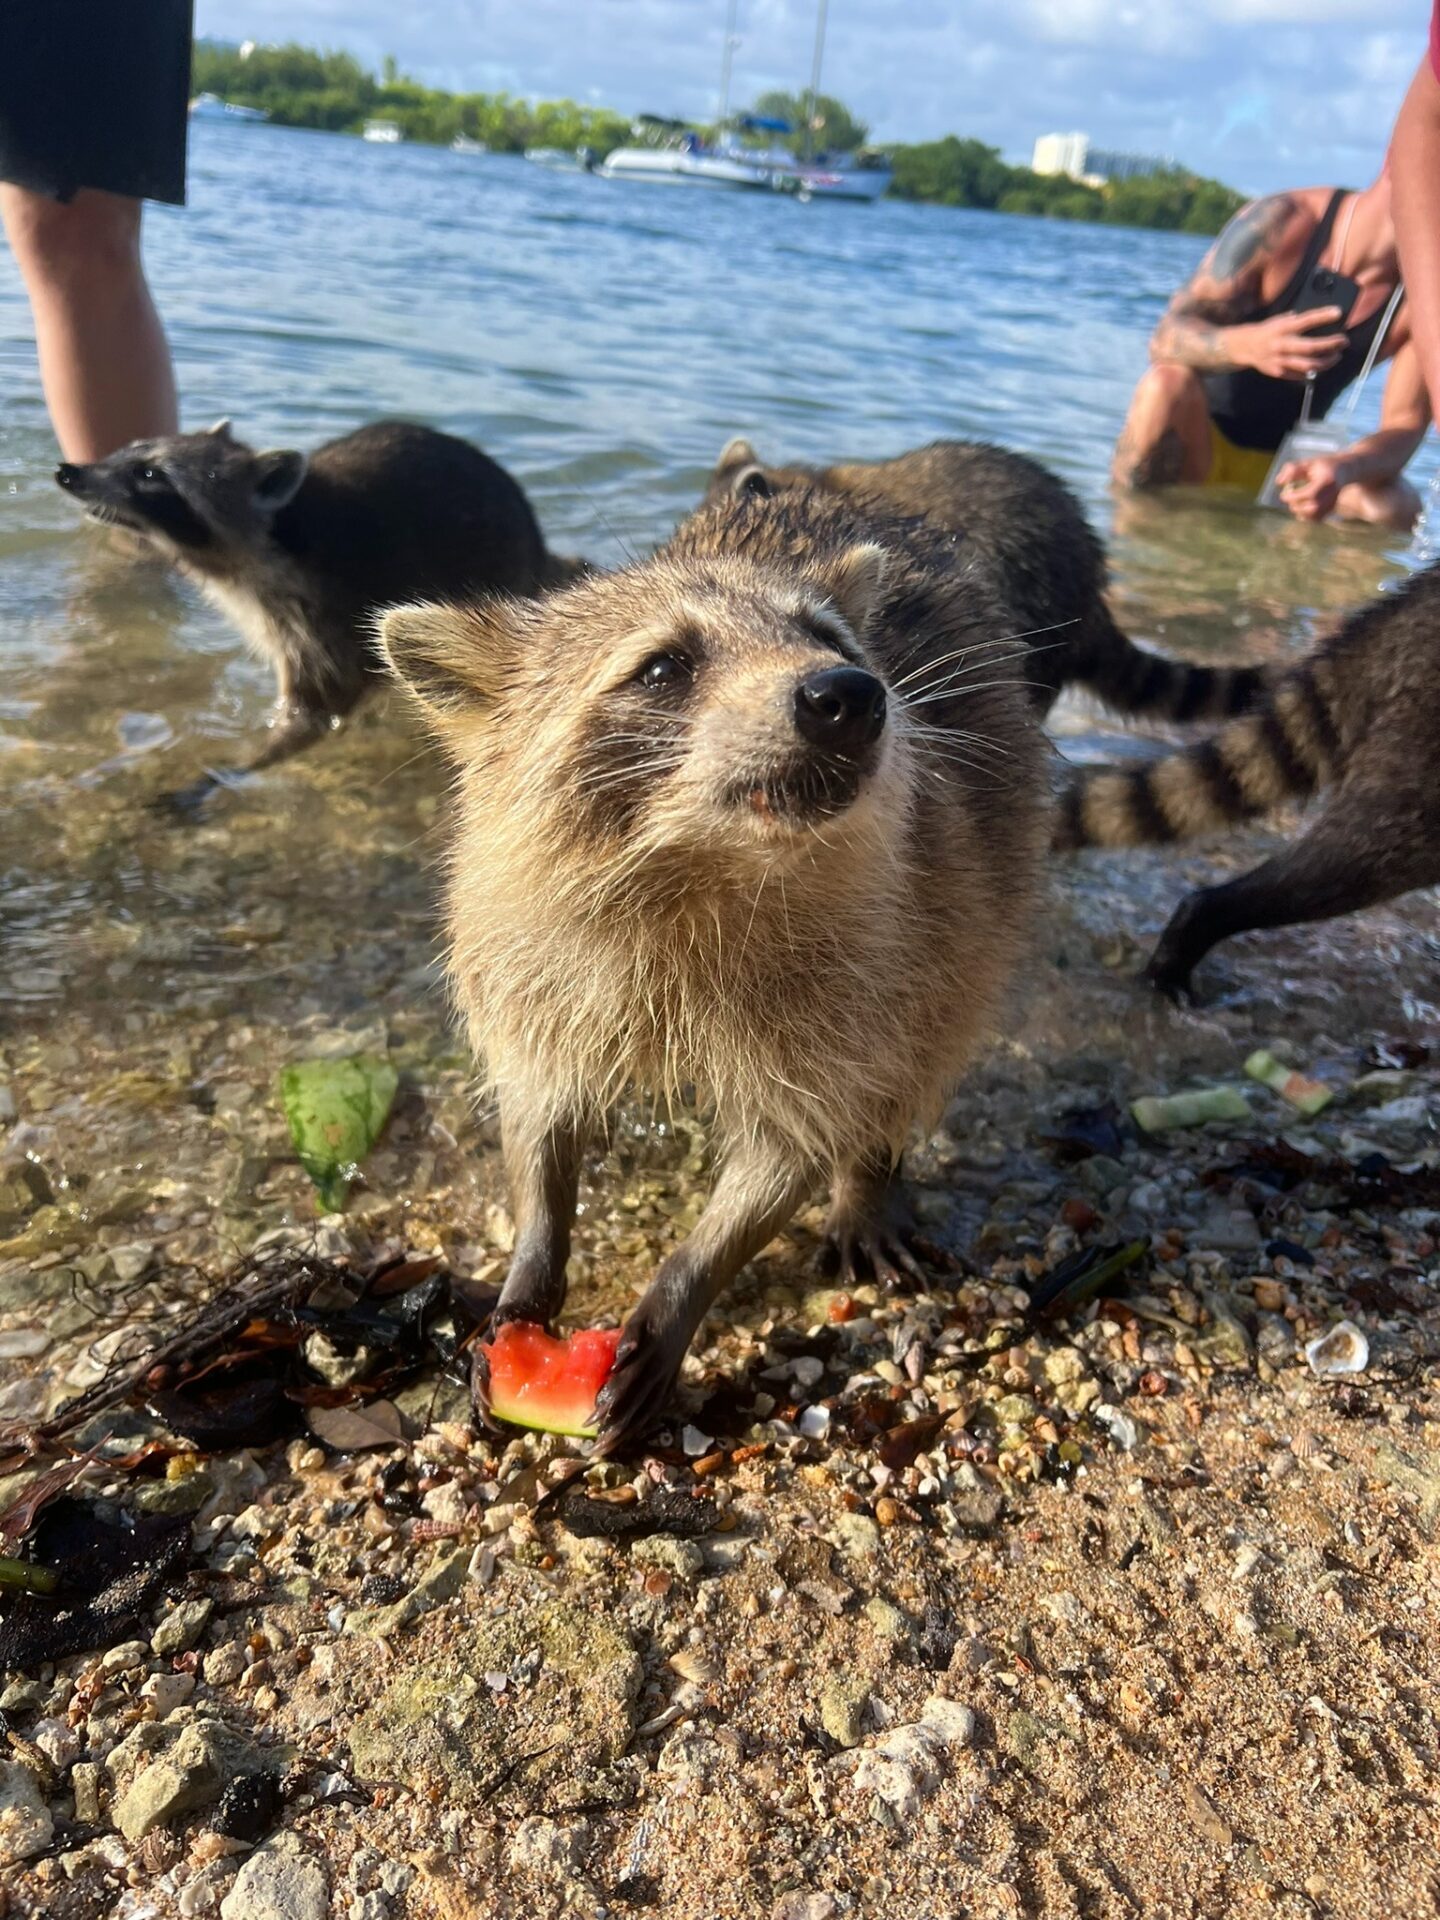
x: 603, y: 340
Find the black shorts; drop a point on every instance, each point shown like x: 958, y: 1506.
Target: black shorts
x: 95, y: 93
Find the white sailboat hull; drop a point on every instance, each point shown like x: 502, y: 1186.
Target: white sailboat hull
x: 667, y: 166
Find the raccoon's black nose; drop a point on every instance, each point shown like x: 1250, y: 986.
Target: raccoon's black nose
x: 841, y: 709
x: 66, y: 475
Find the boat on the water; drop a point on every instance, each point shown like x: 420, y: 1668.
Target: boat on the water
x: 844, y: 176
x: 209, y: 106
x: 385, y: 133
x: 564, y: 159
x: 462, y: 143
x: 669, y: 153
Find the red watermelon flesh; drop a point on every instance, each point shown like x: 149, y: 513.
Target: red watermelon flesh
x: 539, y: 1381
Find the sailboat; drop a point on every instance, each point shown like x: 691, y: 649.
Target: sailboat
x: 670, y: 152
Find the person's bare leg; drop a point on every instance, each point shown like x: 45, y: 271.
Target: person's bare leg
x: 104, y: 361
x: 1384, y: 503
x: 1166, y: 437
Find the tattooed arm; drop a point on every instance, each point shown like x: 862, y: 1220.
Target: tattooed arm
x: 1208, y: 324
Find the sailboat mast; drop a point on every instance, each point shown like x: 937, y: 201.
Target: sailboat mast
x: 726, y: 60
x: 815, y: 77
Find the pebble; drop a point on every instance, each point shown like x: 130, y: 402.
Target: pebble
x: 129, y: 1654
x: 814, y: 1423
x: 57, y: 1740
x: 168, y: 1691
x: 26, y: 1827
x: 804, y: 1906
x: 190, y: 1772
x: 1120, y: 1427
x: 856, y: 1535
x: 23, y: 1344
x: 683, y: 1558
x: 905, y: 1767
x: 545, y: 1847
x: 278, y: 1885
x: 85, y: 1785
x: 694, y: 1443
x: 181, y: 1627
x: 225, y: 1664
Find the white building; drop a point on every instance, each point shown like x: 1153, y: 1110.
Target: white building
x: 1061, y: 153
x: 1072, y: 154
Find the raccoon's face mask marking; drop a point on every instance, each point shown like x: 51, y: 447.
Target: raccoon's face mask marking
x: 194, y: 495
x: 714, y: 712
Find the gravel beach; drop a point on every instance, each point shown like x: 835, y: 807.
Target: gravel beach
x: 926, y: 1606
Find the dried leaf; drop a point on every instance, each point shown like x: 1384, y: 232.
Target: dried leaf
x: 352, y: 1429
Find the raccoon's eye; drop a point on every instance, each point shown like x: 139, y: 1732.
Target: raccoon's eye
x: 153, y: 478
x: 664, y: 673
x: 827, y: 633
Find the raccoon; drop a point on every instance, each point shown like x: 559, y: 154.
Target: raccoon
x: 300, y: 551
x: 1356, y: 719
x: 1026, y: 528
x: 757, y: 817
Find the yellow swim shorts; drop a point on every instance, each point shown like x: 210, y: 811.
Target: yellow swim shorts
x: 1232, y: 466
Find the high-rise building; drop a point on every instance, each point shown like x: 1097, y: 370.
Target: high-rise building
x: 1072, y: 154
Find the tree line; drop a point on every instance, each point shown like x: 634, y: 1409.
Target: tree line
x: 299, y: 87
x: 967, y: 173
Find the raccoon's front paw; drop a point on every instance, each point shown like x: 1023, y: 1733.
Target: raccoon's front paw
x: 1169, y: 973
x: 643, y: 1382
x: 187, y: 804
x: 886, y: 1246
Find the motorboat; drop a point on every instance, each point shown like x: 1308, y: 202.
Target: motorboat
x: 209, y: 106
x: 385, y: 133
x: 462, y: 143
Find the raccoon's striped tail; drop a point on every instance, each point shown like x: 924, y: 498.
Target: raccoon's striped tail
x: 1285, y: 749
x: 1130, y: 680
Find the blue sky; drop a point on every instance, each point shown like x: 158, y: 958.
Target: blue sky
x: 1262, y: 93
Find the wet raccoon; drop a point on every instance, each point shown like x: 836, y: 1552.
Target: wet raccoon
x: 300, y: 552
x: 758, y: 816
x: 1357, y: 719
x: 1027, y: 529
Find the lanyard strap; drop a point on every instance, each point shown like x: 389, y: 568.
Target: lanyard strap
x: 1373, y: 355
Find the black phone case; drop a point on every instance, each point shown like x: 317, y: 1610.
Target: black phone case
x: 1325, y: 288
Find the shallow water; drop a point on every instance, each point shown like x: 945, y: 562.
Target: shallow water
x: 603, y: 340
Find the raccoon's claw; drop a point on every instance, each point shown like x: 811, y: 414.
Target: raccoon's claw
x: 878, y: 1251
x: 641, y: 1386
x: 1170, y: 977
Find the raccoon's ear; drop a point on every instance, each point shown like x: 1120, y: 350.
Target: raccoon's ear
x: 855, y: 582
x: 278, y: 477
x: 221, y: 429
x: 736, y: 453
x: 453, y: 660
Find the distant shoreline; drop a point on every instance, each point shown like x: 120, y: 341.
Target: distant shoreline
x: 333, y: 93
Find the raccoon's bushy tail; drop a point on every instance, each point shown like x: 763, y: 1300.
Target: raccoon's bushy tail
x: 1285, y: 749
x: 1129, y: 680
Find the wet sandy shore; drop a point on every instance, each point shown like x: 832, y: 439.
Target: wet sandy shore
x: 1126, y: 1613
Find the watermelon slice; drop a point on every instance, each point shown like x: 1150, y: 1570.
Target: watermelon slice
x: 538, y: 1381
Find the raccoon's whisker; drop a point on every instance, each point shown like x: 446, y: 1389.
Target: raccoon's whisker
x: 1014, y: 651
x: 995, y: 640
x: 954, y: 681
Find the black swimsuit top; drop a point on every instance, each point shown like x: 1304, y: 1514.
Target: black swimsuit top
x: 1257, y: 410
